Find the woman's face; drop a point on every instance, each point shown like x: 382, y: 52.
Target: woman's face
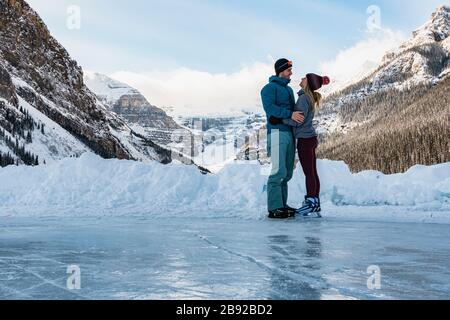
x: 303, y: 83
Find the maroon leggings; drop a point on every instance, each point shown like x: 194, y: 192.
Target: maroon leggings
x: 307, y: 155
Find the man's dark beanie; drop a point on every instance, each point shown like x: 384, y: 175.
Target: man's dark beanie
x: 315, y: 82
x: 282, y: 65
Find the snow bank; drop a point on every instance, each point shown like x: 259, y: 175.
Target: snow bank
x: 94, y: 186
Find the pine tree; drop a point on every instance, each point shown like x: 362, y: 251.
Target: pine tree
x: 29, y: 137
x: 400, y: 129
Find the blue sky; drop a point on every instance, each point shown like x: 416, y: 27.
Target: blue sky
x: 219, y: 35
x: 148, y: 37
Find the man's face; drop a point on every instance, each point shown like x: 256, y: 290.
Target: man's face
x: 287, y: 74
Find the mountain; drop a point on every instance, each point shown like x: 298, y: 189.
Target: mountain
x: 422, y: 60
x: 210, y: 136
x: 133, y: 107
x: 218, y: 139
x: 46, y: 110
x: 399, y: 115
x: 412, y: 126
x: 396, y: 117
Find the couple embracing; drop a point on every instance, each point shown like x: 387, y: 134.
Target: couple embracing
x: 290, y: 127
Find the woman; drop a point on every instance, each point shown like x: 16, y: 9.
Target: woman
x: 307, y: 141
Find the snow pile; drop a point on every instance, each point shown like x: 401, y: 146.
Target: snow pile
x: 94, y: 186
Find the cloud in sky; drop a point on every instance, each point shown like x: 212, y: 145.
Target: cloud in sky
x: 217, y: 36
x: 354, y: 63
x: 209, y: 57
x: 202, y: 35
x: 202, y: 93
x: 193, y: 92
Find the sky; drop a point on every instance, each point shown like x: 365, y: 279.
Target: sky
x: 204, y: 57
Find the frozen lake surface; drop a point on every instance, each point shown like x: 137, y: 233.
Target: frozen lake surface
x: 189, y: 258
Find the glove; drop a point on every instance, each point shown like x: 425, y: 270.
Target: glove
x: 275, y: 121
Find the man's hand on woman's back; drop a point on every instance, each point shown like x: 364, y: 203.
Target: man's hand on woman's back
x: 298, y: 117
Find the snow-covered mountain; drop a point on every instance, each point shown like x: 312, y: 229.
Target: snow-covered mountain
x: 211, y: 141
x: 46, y: 111
x: 437, y: 29
x: 134, y: 108
x: 108, y: 90
x: 422, y: 60
x: 219, y: 139
x: 398, y: 116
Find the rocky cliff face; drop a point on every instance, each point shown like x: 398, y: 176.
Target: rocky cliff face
x: 41, y: 82
x: 422, y: 60
x: 133, y: 107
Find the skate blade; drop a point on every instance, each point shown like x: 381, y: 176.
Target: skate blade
x: 313, y: 215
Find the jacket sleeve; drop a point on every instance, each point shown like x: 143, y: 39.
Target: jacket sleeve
x: 268, y: 99
x: 302, y: 106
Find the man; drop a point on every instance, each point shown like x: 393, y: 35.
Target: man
x: 278, y: 101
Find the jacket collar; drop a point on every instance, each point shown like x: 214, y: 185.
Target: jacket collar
x: 282, y: 81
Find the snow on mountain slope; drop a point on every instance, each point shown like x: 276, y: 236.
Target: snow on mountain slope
x: 134, y: 108
x: 107, y: 89
x: 423, y: 59
x: 52, y: 142
x: 36, y: 69
x: 359, y: 61
x: 435, y: 30
x: 219, y: 139
x: 209, y: 140
x: 94, y: 186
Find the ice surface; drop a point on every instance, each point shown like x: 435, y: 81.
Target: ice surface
x: 149, y: 231
x: 192, y: 258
